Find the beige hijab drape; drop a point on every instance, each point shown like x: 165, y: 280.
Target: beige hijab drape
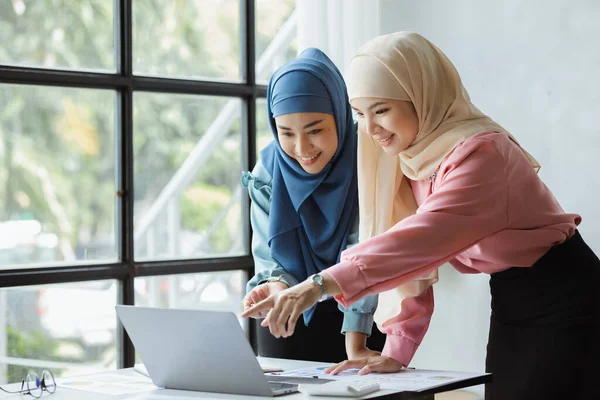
x: 406, y: 66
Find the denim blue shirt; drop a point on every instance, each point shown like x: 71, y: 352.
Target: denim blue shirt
x: 358, y: 317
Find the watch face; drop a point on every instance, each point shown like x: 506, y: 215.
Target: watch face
x: 318, y: 279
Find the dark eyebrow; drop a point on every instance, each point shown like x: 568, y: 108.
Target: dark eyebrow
x: 285, y: 128
x: 372, y: 106
x: 312, y: 123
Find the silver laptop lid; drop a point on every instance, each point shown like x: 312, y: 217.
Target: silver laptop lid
x: 194, y: 350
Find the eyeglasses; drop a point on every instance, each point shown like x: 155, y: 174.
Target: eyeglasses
x: 35, y: 386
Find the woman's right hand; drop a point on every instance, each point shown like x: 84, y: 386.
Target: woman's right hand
x: 261, y: 292
x: 367, y: 365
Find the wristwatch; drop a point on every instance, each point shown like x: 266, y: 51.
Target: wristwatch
x: 317, y: 280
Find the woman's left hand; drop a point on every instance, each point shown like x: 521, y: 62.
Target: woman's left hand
x: 285, y: 308
x: 367, y: 365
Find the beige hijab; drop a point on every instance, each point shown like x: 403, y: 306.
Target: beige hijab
x: 406, y: 66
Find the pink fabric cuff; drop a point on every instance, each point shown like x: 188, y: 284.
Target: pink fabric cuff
x: 400, y: 348
x: 349, y: 278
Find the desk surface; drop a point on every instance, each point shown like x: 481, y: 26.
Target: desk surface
x: 164, y: 394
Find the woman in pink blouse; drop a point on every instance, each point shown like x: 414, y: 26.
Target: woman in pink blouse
x: 439, y: 181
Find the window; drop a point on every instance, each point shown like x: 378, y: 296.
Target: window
x: 215, y: 291
x: 187, y: 39
x: 188, y: 158
x: 70, y: 328
x: 58, y: 34
x: 57, y: 175
x: 276, y: 33
x: 264, y: 135
x: 124, y: 127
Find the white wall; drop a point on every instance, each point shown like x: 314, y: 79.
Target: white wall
x: 534, y: 67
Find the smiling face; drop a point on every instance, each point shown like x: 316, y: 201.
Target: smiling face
x: 309, y: 138
x: 391, y: 123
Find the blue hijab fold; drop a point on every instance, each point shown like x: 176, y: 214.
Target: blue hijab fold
x: 311, y: 215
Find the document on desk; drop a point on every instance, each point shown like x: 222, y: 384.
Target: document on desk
x: 415, y: 380
x: 109, y: 383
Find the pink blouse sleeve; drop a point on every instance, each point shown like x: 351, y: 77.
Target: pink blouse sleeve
x: 469, y: 205
x: 406, y: 330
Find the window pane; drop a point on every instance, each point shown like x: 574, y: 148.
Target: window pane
x: 275, y: 36
x: 187, y: 38
x: 58, y: 34
x: 215, y: 291
x: 67, y: 328
x: 57, y: 175
x: 264, y: 135
x: 187, y: 176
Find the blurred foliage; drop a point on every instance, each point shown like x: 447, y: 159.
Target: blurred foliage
x: 187, y: 39
x: 28, y: 345
x: 58, y: 33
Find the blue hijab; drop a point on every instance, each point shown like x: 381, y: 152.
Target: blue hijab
x: 311, y: 215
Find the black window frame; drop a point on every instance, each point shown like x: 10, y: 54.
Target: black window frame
x: 124, y: 83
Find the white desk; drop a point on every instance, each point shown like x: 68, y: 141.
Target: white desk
x: 167, y: 394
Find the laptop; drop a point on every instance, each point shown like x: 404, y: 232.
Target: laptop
x: 197, y: 350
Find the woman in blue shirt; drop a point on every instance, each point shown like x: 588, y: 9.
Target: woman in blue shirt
x: 305, y: 208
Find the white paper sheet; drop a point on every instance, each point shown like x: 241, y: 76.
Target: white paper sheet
x: 406, y: 380
x: 109, y: 383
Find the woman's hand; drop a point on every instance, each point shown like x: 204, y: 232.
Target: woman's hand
x: 364, y: 353
x: 356, y: 346
x: 261, y: 292
x: 375, y: 363
x: 285, y: 307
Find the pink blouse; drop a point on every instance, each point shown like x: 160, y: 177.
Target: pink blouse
x: 485, y: 210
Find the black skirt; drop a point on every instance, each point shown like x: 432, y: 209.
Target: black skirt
x: 545, y: 327
x: 321, y: 340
